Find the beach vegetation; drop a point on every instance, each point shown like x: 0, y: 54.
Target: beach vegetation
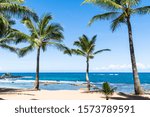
x: 107, y: 90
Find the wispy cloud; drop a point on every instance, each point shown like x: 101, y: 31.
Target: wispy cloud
x: 0, y: 68
x: 122, y: 67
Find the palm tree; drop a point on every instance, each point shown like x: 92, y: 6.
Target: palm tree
x: 86, y: 48
x: 120, y: 12
x: 107, y: 90
x: 42, y: 34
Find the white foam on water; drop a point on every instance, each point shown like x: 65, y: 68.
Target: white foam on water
x: 27, y: 77
x: 31, y: 81
x: 113, y: 74
x: 99, y: 74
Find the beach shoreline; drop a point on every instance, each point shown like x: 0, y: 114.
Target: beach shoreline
x: 29, y: 94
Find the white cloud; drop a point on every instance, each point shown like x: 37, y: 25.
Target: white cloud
x: 123, y: 67
x: 0, y: 68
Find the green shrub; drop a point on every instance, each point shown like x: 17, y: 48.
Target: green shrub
x: 107, y: 90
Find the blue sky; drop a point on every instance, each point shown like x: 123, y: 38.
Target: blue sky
x: 74, y: 18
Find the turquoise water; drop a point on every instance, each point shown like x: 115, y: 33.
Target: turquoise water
x: 123, y: 81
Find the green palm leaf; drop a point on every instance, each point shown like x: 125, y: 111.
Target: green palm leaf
x: 29, y: 24
x: 19, y: 36
x: 116, y: 22
x: 10, y: 48
x: 100, y: 51
x: 44, y: 22
x: 142, y: 10
x: 17, y: 10
x: 12, y: 1
x: 109, y: 4
x: 54, y: 32
x: 24, y: 51
x: 78, y: 52
x: 3, y: 21
x: 105, y: 16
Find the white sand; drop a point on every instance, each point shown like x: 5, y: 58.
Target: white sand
x: 64, y: 95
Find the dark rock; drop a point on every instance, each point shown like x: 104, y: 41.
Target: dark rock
x: 9, y: 75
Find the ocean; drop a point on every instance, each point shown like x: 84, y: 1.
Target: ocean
x: 123, y: 81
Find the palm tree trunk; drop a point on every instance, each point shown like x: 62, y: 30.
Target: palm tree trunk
x: 87, y: 74
x: 137, y: 87
x: 36, y: 85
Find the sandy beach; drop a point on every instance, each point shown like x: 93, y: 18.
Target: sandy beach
x: 18, y: 94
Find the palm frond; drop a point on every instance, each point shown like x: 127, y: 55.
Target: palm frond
x: 129, y: 2
x: 116, y: 22
x: 100, y: 51
x: 68, y: 51
x: 17, y: 10
x: 91, y: 45
x: 23, y: 51
x: 19, y: 37
x: 108, y: 4
x: 30, y: 25
x: 54, y: 32
x: 60, y: 47
x: 77, y: 43
x: 44, y: 46
x: 105, y: 16
x: 44, y: 22
x: 93, y: 40
x: 80, y: 44
x: 12, y: 1
x: 10, y: 48
x: 78, y: 52
x: 142, y: 10
x: 4, y: 21
x: 6, y: 40
x: 91, y: 49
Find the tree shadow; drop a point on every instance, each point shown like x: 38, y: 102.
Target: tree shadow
x: 90, y: 92
x: 130, y: 97
x: 34, y: 99
x: 6, y: 90
x: 15, y: 91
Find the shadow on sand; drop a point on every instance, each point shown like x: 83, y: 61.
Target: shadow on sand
x: 8, y: 90
x: 122, y: 96
x: 129, y: 97
x: 34, y: 99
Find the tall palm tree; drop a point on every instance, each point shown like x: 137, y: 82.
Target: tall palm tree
x: 86, y: 48
x: 120, y: 12
x: 42, y: 34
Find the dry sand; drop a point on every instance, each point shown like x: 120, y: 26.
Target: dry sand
x: 16, y: 94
